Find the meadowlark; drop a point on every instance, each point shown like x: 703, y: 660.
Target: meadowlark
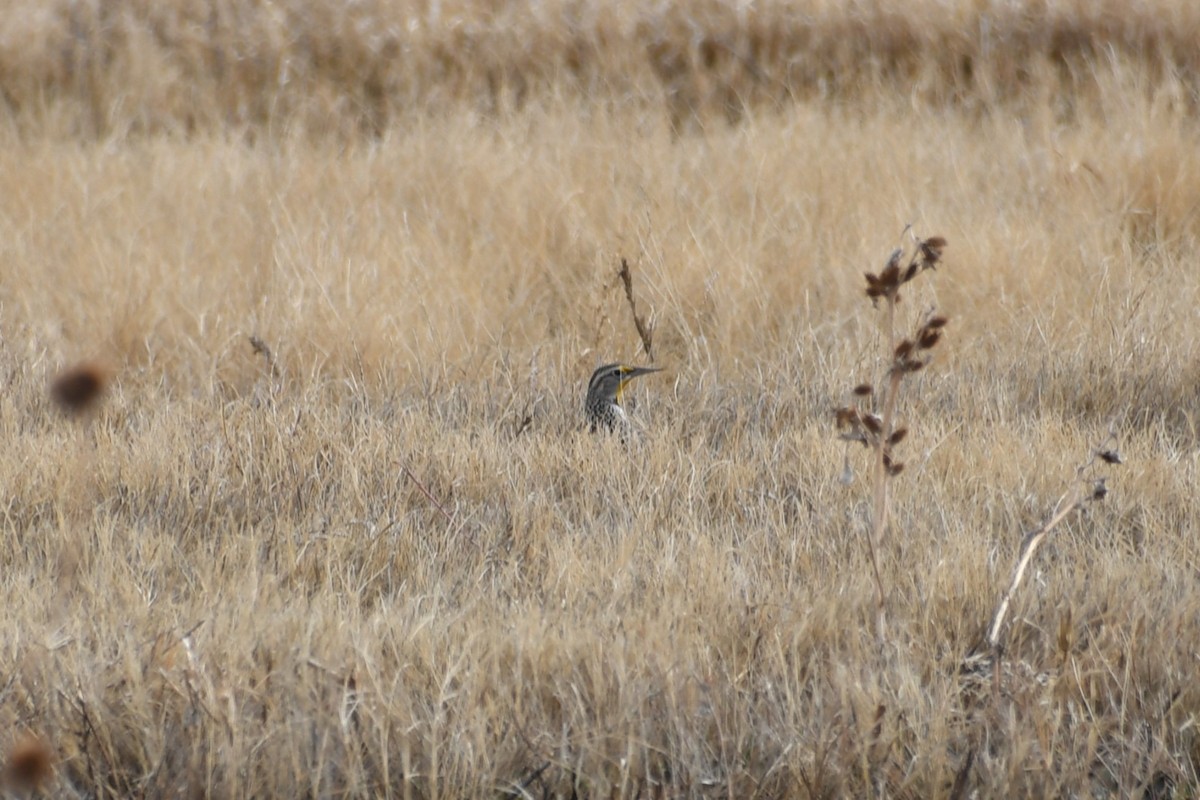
x: 603, y: 404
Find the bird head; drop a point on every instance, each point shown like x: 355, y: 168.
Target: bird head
x: 609, y: 381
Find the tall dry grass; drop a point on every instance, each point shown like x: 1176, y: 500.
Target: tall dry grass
x: 374, y: 552
x: 101, y: 69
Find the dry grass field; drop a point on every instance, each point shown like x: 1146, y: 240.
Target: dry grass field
x: 336, y: 528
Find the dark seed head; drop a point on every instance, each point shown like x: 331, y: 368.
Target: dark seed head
x: 891, y: 276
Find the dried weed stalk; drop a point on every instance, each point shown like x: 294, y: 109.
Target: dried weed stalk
x: 1088, y: 487
x: 645, y: 330
x: 425, y: 491
x: 261, y: 348
x: 982, y: 667
x: 531, y: 407
x: 870, y: 415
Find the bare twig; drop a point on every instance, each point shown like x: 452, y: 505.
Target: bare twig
x: 449, y: 517
x: 1086, y: 489
x: 645, y: 331
x: 958, y: 789
x: 534, y: 775
x: 261, y: 348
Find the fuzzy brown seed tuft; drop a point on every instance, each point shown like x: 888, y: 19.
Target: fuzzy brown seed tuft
x: 931, y: 250
x: 30, y: 763
x: 875, y: 289
x: 78, y: 388
x: 864, y: 389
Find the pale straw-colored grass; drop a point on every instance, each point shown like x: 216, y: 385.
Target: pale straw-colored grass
x: 230, y: 576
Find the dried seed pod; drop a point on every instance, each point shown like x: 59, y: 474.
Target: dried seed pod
x: 931, y: 250
x: 928, y: 339
x: 903, y: 349
x: 937, y: 322
x: 1110, y: 457
x: 897, y: 436
x: 873, y: 423
x: 864, y: 389
x: 1099, y: 490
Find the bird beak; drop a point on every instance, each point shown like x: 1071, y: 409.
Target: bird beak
x: 629, y: 373
x: 633, y: 372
